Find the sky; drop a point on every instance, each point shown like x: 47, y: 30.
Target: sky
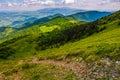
x: 20, y: 5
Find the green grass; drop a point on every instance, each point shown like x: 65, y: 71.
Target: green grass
x: 48, y: 29
x: 39, y: 72
x: 5, y: 31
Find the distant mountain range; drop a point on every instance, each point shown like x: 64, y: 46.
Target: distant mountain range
x: 40, y: 21
x: 14, y: 19
x: 9, y: 18
x: 64, y: 11
x: 87, y: 16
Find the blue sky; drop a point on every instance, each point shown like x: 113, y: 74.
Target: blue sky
x: 105, y: 5
x: 2, y: 1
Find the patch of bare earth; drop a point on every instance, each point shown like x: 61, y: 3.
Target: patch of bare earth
x: 103, y: 68
x: 1, y: 78
x: 79, y: 69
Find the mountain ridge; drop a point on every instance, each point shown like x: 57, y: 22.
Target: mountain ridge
x: 9, y: 18
x: 89, y: 15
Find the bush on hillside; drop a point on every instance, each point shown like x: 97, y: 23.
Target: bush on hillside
x: 6, y: 52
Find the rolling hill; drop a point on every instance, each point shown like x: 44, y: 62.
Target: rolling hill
x: 89, y: 15
x: 12, y: 18
x: 81, y: 16
x: 80, y: 51
x: 49, y: 20
x: 15, y: 19
x: 37, y: 21
x: 64, y: 11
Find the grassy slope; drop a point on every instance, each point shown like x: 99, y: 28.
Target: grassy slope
x: 39, y: 72
x: 5, y: 31
x: 25, y: 39
x: 53, y: 23
x: 105, y: 44
x: 26, y: 46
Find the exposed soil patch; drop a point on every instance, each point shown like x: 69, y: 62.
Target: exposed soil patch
x: 103, y: 69
x: 80, y: 69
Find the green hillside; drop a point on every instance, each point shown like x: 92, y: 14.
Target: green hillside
x: 89, y: 15
x: 29, y: 36
x: 5, y: 31
x: 64, y: 52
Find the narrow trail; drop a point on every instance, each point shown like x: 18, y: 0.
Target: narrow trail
x: 79, y: 69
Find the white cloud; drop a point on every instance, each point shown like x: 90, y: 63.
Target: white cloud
x: 68, y: 1
x: 80, y: 4
x: 48, y: 2
x: 9, y: 4
x: 96, y: 4
x: 33, y: 0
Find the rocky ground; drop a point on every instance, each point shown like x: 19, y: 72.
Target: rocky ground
x: 104, y: 69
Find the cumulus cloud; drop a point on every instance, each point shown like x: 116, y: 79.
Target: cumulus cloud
x: 79, y: 4
x: 9, y: 5
x: 68, y: 1
x: 109, y: 5
x: 48, y: 2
